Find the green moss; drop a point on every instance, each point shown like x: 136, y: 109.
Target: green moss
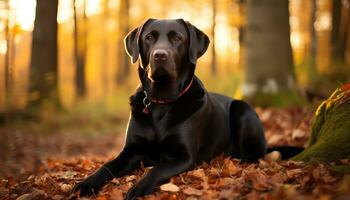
x: 330, y: 137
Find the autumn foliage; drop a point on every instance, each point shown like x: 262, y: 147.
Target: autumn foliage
x: 222, y: 178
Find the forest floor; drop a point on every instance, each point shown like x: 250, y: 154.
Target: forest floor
x: 45, y: 163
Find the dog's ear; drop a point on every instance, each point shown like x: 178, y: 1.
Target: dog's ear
x: 199, y: 42
x: 131, y: 42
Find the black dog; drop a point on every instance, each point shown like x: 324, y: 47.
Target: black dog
x: 175, y: 124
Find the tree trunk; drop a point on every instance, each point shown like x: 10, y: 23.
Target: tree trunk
x: 313, y: 49
x: 338, y: 36
x: 241, y: 28
x: 347, y: 33
x: 123, y: 59
x: 8, y: 74
x: 44, y: 69
x: 330, y: 137
x: 269, y: 68
x: 80, y: 46
x: 213, y: 59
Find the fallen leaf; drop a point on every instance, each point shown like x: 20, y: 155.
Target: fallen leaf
x: 346, y: 87
x: 198, y: 173
x: 101, y: 198
x: 293, y: 173
x: 65, y: 175
x: 169, y: 187
x: 298, y: 134
x: 230, y: 168
x: 66, y: 188
x: 116, y: 194
x: 278, y: 178
x: 191, y: 191
x: 130, y: 178
x: 276, y: 139
x: 273, y: 156
x: 253, y: 195
x: 258, y: 179
x: 57, y: 197
x: 36, y: 194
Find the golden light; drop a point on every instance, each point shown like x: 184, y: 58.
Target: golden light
x: 24, y: 13
x: 3, y: 46
x: 296, y: 40
x: 226, y: 37
x: 323, y: 22
x: 93, y: 7
x: 174, y: 14
x: 65, y: 11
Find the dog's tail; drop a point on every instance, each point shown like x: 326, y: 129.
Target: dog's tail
x: 286, y: 151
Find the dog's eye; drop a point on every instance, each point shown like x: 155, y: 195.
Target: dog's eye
x: 149, y: 37
x: 177, y: 38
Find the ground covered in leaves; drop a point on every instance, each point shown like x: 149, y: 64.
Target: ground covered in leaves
x: 46, y: 166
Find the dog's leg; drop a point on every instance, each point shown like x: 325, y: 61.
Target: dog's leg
x: 252, y: 140
x: 124, y: 163
x: 157, y: 175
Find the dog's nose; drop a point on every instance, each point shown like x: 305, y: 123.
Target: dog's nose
x: 160, y: 54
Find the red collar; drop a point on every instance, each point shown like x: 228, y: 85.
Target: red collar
x: 147, y: 101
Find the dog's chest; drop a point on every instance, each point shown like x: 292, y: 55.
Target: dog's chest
x: 161, y: 123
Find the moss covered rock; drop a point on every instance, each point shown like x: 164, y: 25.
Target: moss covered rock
x: 330, y: 137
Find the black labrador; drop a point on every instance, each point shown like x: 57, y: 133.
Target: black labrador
x: 175, y: 123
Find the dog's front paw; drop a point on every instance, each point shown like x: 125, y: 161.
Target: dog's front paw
x: 138, y: 190
x: 91, y: 185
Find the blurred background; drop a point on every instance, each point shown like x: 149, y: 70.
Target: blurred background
x: 65, y: 79
x: 256, y: 46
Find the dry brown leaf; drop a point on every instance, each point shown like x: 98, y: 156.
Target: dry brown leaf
x: 278, y: 178
x: 253, y: 195
x: 36, y: 194
x: 58, y: 197
x: 130, y: 178
x: 191, y: 191
x: 293, y: 173
x: 198, y: 173
x: 65, y: 175
x: 116, y: 194
x: 101, y: 198
x: 273, y: 156
x: 346, y: 87
x: 230, y: 168
x: 298, y: 134
x: 66, y: 187
x: 316, y: 173
x: 276, y: 139
x: 258, y: 179
x: 169, y: 187
x: 227, y: 194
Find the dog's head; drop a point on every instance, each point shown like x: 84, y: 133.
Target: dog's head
x: 168, y: 51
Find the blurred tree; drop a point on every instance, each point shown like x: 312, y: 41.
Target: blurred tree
x: 313, y: 47
x: 105, y: 49
x: 241, y: 31
x: 123, y: 59
x: 213, y: 57
x: 338, y: 32
x: 8, y: 74
x: 308, y: 72
x: 80, y: 46
x: 43, y: 81
x: 347, y: 30
x: 242, y: 14
x: 269, y: 63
